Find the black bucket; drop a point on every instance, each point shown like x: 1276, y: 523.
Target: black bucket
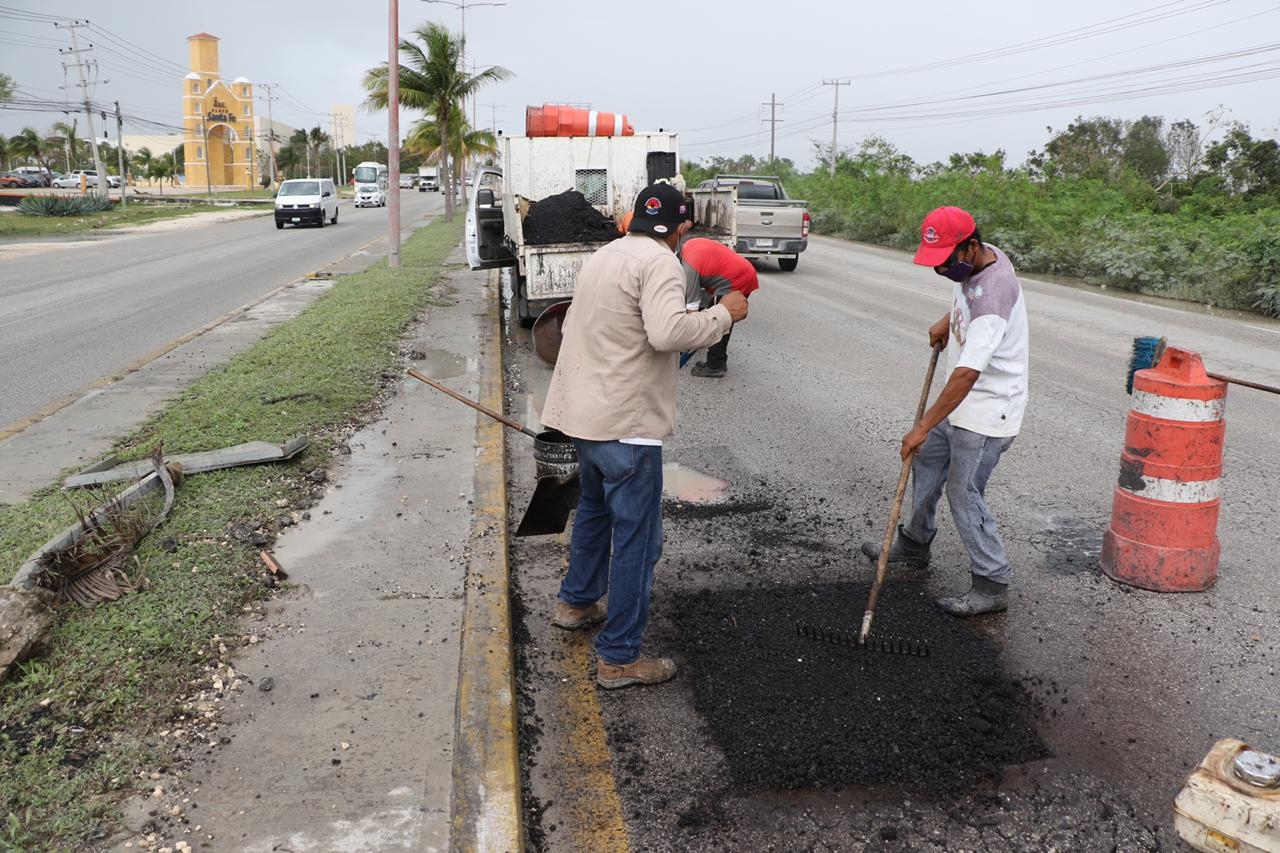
x: 555, y: 455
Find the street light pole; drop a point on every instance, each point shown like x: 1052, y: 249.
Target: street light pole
x: 393, y: 133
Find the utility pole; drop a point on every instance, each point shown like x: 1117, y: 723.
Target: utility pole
x: 773, y: 122
x: 124, y: 176
x: 88, y: 107
x: 271, y: 129
x: 835, y: 118
x: 208, y: 173
x: 339, y: 122
x: 393, y: 132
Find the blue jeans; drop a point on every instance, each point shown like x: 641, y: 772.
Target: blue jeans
x: 961, y: 462
x: 617, y: 540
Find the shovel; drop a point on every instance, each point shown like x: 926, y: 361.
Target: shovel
x: 557, y: 459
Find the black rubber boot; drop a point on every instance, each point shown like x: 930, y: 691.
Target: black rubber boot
x: 905, y: 551
x: 984, y: 596
x: 703, y: 369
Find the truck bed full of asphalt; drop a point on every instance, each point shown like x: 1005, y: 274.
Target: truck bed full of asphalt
x: 566, y: 218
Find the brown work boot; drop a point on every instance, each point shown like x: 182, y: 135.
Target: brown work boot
x: 643, y: 670
x: 572, y: 618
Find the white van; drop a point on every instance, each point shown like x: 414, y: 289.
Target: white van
x: 307, y: 200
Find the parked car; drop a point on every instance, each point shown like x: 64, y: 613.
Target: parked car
x: 38, y: 176
x: 10, y: 181
x: 370, y: 195
x: 71, y: 180
x: 406, y: 182
x: 113, y: 181
x: 307, y: 200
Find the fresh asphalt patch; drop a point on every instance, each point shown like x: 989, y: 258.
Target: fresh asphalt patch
x: 789, y: 712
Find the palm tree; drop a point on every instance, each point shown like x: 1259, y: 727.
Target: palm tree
x: 67, y: 133
x: 431, y: 80
x: 6, y: 88
x: 4, y: 153
x: 160, y: 168
x: 29, y: 145
x: 465, y: 143
x: 142, y: 161
x: 316, y: 141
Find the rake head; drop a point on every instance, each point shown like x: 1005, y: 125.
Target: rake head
x: 885, y: 645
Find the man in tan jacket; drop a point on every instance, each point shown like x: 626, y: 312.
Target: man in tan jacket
x: 614, y: 393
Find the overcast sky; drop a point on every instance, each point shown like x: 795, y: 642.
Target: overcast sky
x: 933, y: 78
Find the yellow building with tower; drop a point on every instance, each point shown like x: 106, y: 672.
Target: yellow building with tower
x: 218, y: 145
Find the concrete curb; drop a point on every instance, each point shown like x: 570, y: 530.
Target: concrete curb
x: 486, y: 801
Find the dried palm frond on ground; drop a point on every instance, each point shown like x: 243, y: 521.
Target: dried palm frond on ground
x: 93, y: 569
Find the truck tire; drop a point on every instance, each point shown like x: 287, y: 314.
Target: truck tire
x: 788, y: 264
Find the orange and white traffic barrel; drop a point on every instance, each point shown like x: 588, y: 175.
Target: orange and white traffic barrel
x: 1164, y: 514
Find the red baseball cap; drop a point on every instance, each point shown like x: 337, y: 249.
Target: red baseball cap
x: 942, y: 230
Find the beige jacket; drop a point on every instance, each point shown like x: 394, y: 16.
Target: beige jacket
x: 616, y: 373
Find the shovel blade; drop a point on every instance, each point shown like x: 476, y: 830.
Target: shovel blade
x: 549, y: 508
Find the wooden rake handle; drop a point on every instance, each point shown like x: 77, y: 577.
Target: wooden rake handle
x: 882, y: 565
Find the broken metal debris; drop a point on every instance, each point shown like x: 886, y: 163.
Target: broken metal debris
x: 250, y: 453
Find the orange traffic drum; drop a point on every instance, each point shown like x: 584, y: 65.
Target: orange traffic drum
x: 1164, y: 512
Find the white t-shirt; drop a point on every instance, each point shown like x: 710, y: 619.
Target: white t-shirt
x: 989, y: 335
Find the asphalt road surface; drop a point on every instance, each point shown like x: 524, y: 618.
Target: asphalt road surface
x: 1068, y: 723
x: 80, y: 312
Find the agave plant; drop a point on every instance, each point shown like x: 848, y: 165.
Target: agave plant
x: 52, y: 205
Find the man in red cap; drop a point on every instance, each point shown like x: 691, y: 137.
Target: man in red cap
x: 976, y: 417
x: 712, y: 270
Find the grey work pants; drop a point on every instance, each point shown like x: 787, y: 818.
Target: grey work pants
x: 961, y: 462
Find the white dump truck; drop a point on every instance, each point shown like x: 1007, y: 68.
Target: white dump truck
x: 428, y: 179
x: 753, y: 215
x: 609, y: 171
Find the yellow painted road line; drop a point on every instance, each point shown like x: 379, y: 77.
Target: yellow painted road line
x: 589, y: 790
x: 486, y: 803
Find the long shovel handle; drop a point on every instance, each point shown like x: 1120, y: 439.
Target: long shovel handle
x: 882, y: 565
x: 472, y: 403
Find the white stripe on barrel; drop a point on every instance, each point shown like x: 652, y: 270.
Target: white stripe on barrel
x: 1178, y: 408
x: 1173, y: 491
x: 617, y: 124
x: 592, y: 118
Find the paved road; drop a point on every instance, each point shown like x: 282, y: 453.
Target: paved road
x: 72, y: 314
x: 1128, y: 689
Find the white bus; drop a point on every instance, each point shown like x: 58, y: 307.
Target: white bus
x: 370, y: 173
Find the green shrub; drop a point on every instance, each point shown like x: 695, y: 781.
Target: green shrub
x: 56, y: 205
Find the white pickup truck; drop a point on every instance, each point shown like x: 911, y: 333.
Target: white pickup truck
x: 753, y: 215
x: 608, y: 171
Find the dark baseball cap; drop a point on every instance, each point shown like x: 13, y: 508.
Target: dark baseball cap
x: 660, y: 208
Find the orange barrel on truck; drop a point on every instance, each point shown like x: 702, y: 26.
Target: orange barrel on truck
x: 1164, y: 512
x: 558, y: 120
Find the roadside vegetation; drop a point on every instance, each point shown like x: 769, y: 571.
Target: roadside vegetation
x: 19, y: 224
x: 84, y: 724
x: 1182, y: 210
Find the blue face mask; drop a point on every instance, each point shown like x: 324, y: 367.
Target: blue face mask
x: 958, y: 272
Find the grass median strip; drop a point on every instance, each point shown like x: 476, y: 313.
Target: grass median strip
x: 80, y: 725
x: 136, y: 213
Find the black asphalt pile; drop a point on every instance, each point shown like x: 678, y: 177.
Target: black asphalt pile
x: 790, y: 713
x: 566, y: 218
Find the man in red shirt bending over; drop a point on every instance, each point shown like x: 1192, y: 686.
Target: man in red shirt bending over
x: 711, y: 270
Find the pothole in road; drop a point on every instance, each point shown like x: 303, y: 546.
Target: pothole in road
x: 790, y: 713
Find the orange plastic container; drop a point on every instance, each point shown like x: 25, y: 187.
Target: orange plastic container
x: 557, y: 120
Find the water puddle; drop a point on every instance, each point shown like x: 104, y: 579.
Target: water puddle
x: 690, y: 486
x: 440, y: 364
